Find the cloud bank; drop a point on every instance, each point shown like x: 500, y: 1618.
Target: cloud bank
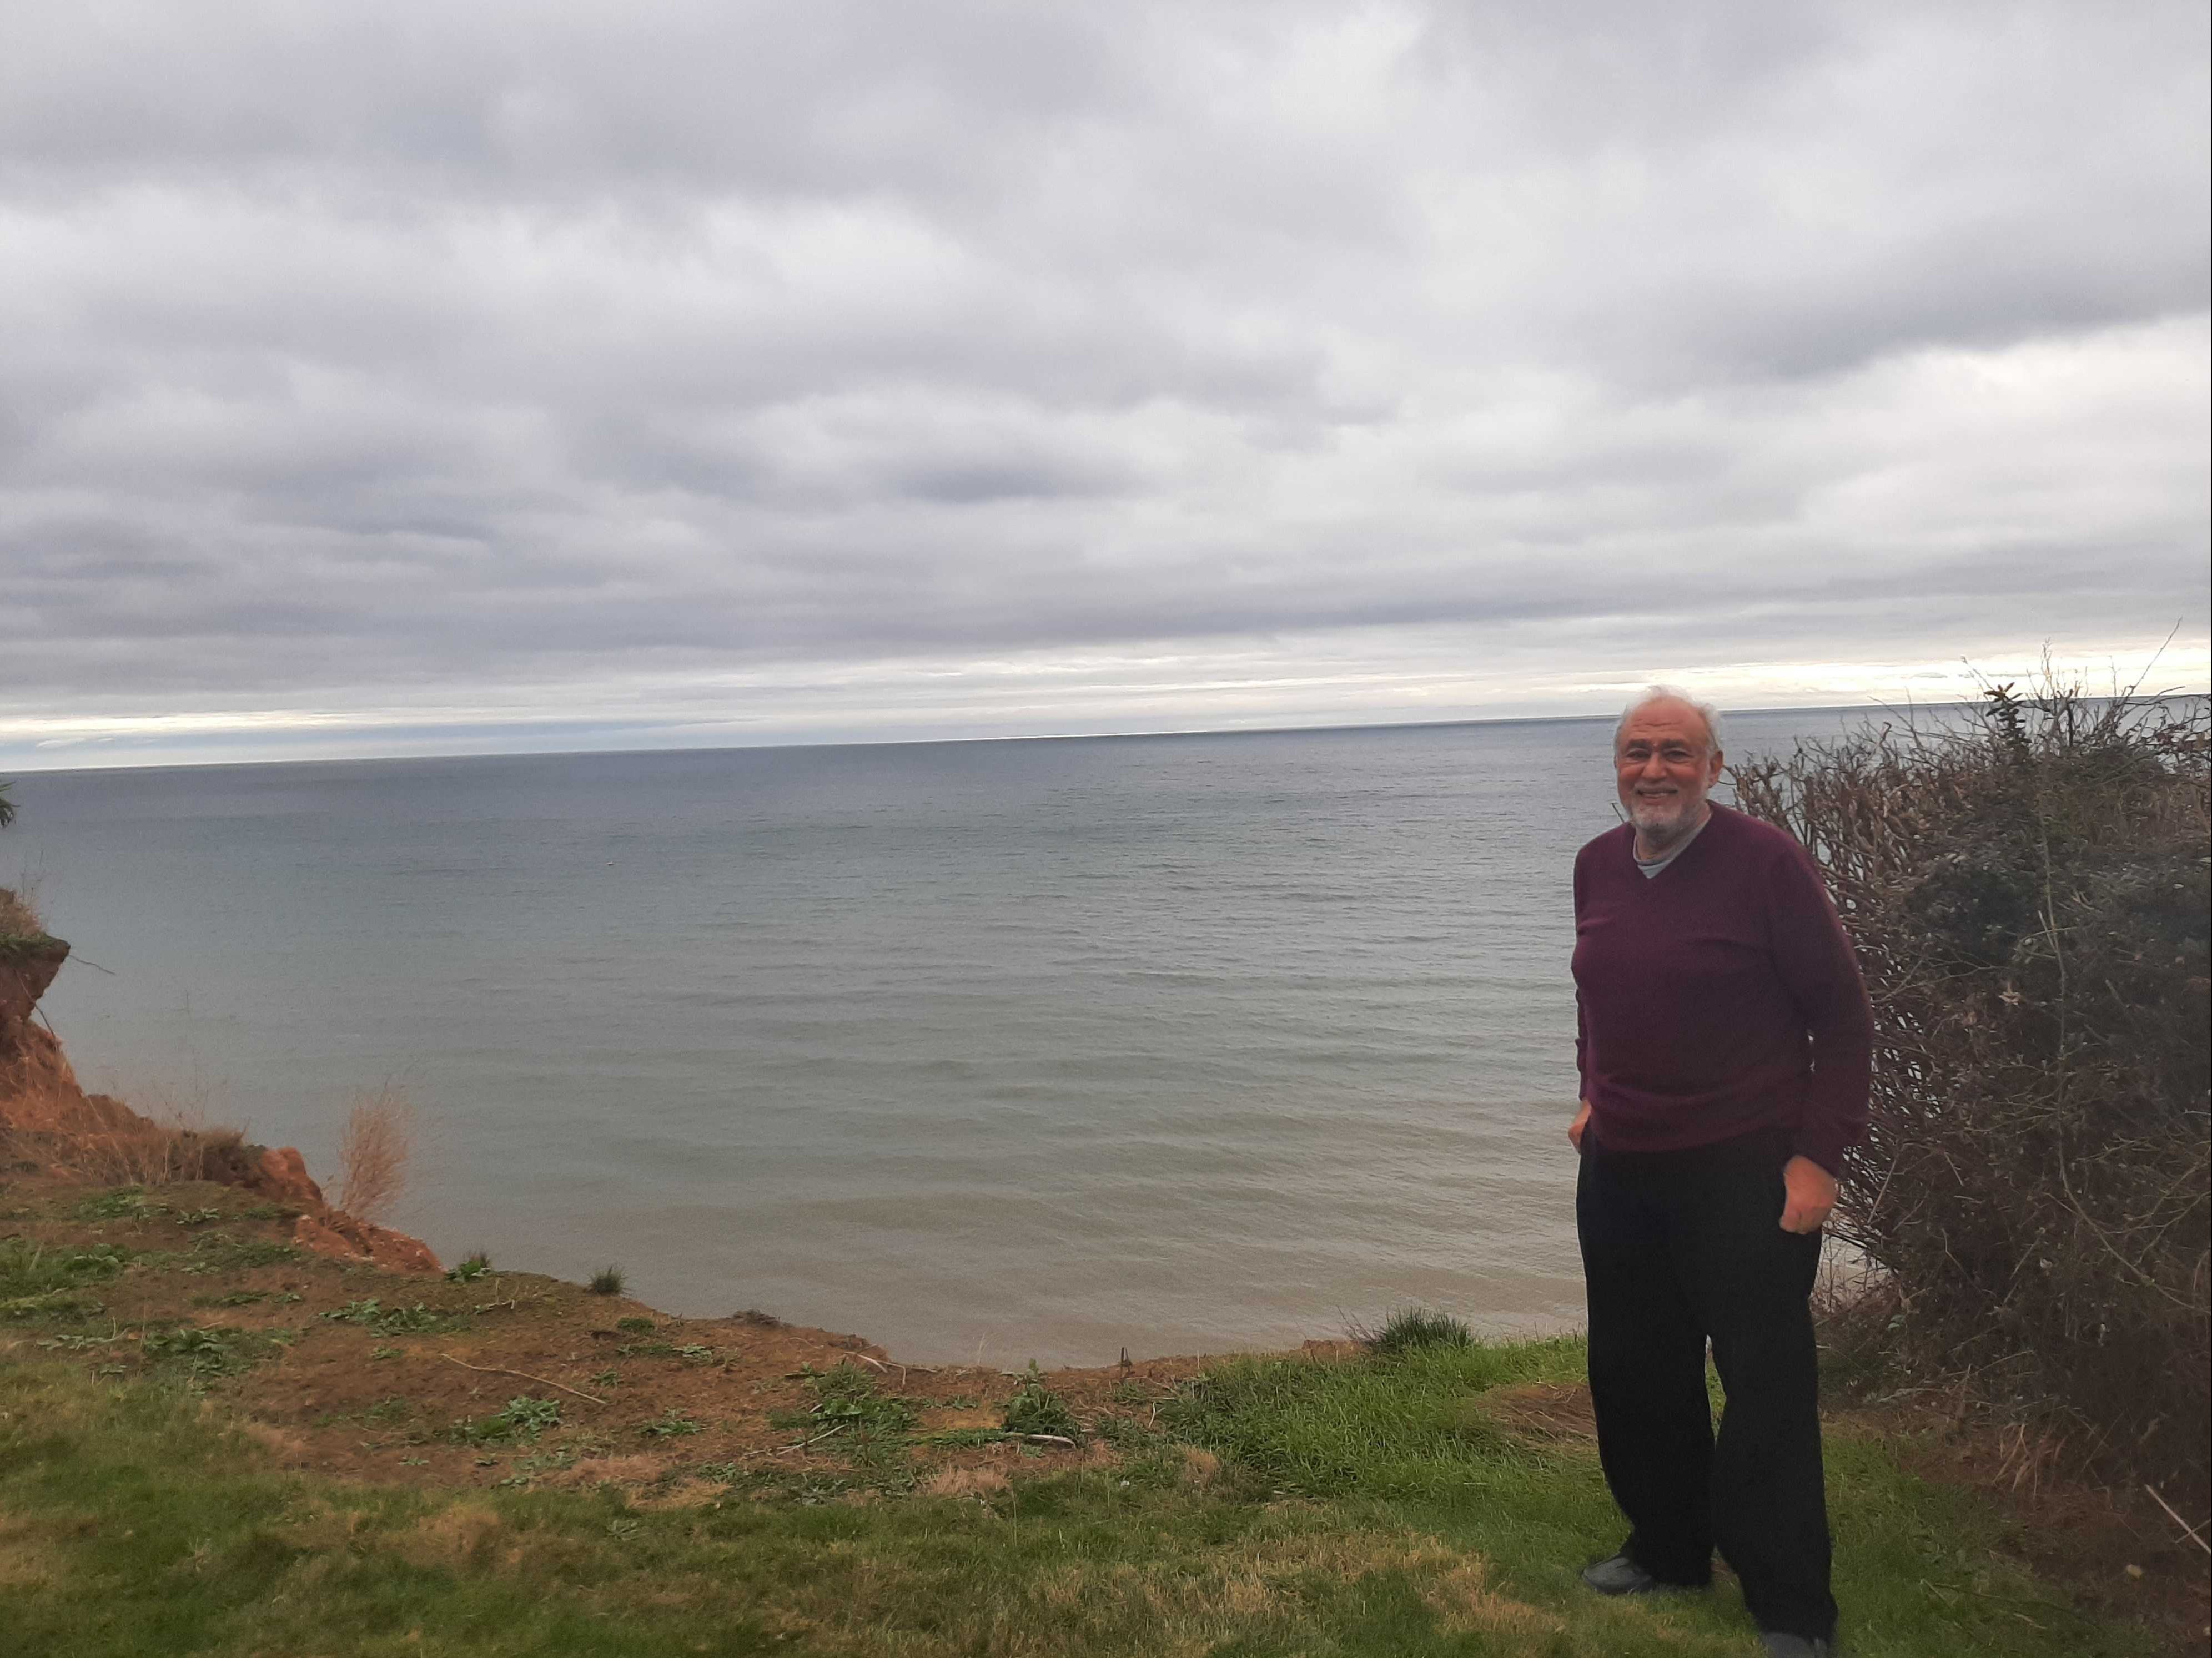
x: 411, y: 378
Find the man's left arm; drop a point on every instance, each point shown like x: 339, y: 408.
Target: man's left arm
x: 1820, y: 968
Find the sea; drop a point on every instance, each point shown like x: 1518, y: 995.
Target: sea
x: 986, y: 1051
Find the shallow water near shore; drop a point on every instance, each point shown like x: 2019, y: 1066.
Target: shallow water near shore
x: 990, y: 1051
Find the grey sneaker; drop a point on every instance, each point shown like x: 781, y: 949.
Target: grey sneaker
x: 1779, y: 1645
x: 1621, y: 1576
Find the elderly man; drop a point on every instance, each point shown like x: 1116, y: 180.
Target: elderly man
x: 1725, y: 1046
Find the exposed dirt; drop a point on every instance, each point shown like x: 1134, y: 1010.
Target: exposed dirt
x: 385, y: 1395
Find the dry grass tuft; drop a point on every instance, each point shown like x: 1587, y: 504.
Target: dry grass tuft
x: 955, y: 1481
x: 374, y: 1152
x: 19, y: 914
x: 154, y: 1155
x: 452, y: 1538
x: 46, y: 1116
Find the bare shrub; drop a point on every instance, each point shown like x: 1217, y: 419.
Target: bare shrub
x: 374, y: 1152
x: 2031, y: 901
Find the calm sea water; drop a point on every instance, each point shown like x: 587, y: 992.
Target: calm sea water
x: 985, y: 1050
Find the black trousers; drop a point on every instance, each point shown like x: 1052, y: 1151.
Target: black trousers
x: 1678, y: 1248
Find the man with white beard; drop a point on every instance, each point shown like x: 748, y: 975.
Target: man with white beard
x: 1725, y: 1046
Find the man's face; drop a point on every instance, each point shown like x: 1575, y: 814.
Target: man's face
x: 1666, y: 764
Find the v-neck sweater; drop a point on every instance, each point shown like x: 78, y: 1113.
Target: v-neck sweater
x: 1719, y: 999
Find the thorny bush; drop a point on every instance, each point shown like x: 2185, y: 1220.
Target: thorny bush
x: 2029, y: 891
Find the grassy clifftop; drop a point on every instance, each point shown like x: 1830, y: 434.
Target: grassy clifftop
x: 211, y: 1441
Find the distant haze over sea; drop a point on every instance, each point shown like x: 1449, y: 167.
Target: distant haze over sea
x: 992, y: 1050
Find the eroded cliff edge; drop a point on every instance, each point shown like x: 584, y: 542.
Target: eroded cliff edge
x: 47, y: 1120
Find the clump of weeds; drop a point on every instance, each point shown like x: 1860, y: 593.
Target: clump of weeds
x: 384, y: 1321
x: 224, y: 1252
x: 203, y: 1355
x: 124, y: 1203
x: 1035, y: 1409
x: 1406, y: 1329
x: 524, y: 1418
x: 847, y: 1397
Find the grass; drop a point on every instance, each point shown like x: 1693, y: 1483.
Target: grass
x: 524, y: 1418
x: 1408, y: 1327
x: 133, y: 1521
x: 18, y: 916
x: 44, y: 1281
x: 847, y: 1396
x: 607, y: 1281
x: 417, y: 1319
x: 200, y: 1355
x: 198, y: 1468
x: 1035, y: 1409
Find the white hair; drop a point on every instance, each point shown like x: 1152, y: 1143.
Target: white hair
x: 1650, y: 694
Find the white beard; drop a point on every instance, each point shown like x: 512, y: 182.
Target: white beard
x: 1662, y: 822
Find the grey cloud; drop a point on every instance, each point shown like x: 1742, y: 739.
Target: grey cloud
x: 437, y: 350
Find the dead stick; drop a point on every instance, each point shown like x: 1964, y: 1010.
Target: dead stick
x: 543, y: 1380
x: 804, y: 1443
x: 1048, y: 1439
x: 2187, y: 1530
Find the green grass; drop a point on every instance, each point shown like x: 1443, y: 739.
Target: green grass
x: 122, y: 1203
x: 202, y: 1356
x: 1408, y: 1327
x: 1035, y: 1409
x: 418, y: 1320
x: 1414, y: 1426
x: 1359, y: 1511
x: 524, y: 1418
x: 50, y: 1281
x: 223, y: 1252
x: 847, y: 1397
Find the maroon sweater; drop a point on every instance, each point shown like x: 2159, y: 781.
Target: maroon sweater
x: 1719, y: 998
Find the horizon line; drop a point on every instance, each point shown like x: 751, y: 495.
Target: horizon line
x: 1025, y: 737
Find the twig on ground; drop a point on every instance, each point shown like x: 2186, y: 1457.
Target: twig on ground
x: 817, y: 1438
x: 543, y: 1380
x: 1045, y: 1439
x: 2187, y: 1530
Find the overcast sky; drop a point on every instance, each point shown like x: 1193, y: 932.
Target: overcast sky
x: 416, y: 378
